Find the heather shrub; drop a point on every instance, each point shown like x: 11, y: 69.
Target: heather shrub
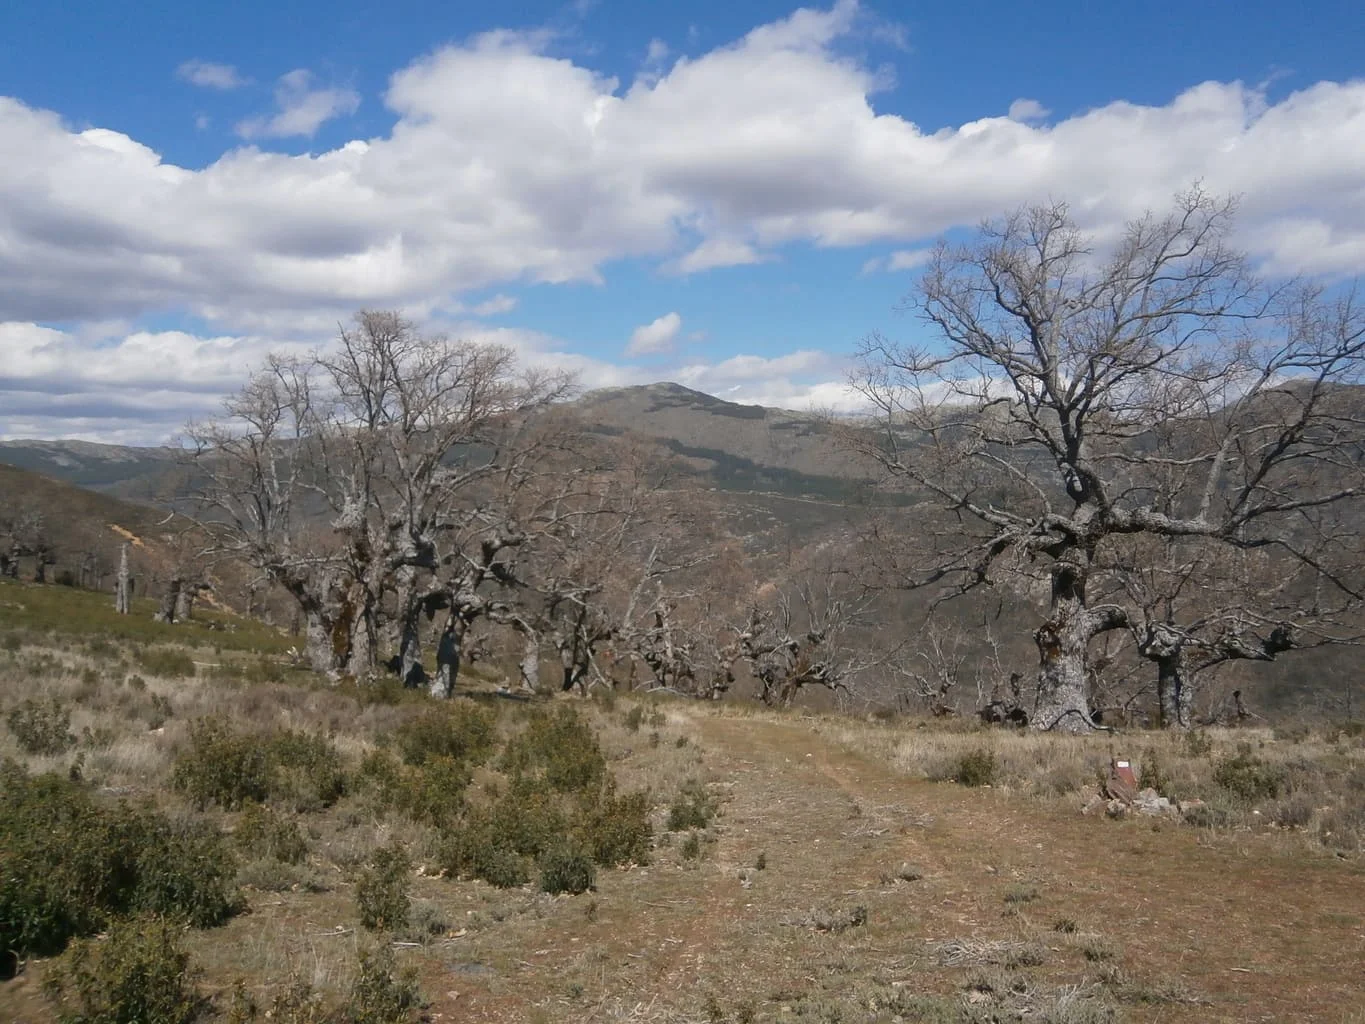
x: 71, y: 865
x: 567, y: 868
x: 616, y: 829
x: 381, y: 891
x: 139, y: 974
x: 461, y: 731
x: 1247, y: 777
x: 221, y: 766
x: 693, y: 807
x: 559, y: 748
x: 41, y: 728
x: 977, y: 767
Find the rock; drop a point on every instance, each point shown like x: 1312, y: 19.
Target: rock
x: 1150, y: 802
x: 1094, y: 805
x: 1116, y: 809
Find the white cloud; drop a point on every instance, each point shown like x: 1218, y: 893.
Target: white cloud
x: 901, y: 259
x: 495, y: 306
x: 656, y: 336
x: 209, y: 75
x: 1027, y: 110
x: 507, y: 165
x: 302, y: 110
x: 714, y: 253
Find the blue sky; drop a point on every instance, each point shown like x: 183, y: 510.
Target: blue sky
x: 730, y: 195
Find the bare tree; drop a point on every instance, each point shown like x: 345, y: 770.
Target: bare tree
x: 359, y: 481
x: 1029, y: 420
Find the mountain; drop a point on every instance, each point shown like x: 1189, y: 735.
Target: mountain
x: 134, y: 473
x: 738, y: 447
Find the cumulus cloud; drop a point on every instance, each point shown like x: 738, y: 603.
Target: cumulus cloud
x: 1027, y: 110
x: 301, y: 109
x: 495, y: 306
x: 656, y: 336
x: 714, y: 253
x: 209, y: 75
x: 509, y: 165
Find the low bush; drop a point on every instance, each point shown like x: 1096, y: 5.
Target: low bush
x: 616, y: 829
x: 381, y: 994
x: 171, y: 662
x: 41, y: 728
x: 977, y: 767
x: 567, y: 868
x: 1247, y: 777
x: 139, y: 974
x: 381, y: 891
x: 224, y: 767
x: 693, y: 807
x: 474, y: 850
x: 460, y: 731
x: 263, y: 834
x: 559, y: 748
x: 71, y: 865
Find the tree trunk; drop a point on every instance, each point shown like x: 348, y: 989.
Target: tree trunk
x: 529, y: 666
x: 410, y: 668
x: 448, y: 656
x: 184, y: 603
x: 170, y: 600
x: 123, y: 589
x: 1063, y: 644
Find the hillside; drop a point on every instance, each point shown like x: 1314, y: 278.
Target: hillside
x: 730, y: 863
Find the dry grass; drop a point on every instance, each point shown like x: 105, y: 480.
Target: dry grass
x: 835, y: 884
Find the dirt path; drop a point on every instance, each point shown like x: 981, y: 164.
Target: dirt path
x: 1180, y: 926
x: 1254, y: 934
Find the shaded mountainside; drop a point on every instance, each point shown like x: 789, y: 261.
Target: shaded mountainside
x: 137, y: 474
x: 738, y: 447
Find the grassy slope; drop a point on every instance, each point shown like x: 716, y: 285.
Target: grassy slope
x: 1171, y: 922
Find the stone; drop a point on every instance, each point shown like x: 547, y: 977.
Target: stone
x: 1094, y: 805
x: 1116, y: 809
x: 1150, y: 802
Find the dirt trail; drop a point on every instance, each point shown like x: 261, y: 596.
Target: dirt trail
x: 1258, y: 935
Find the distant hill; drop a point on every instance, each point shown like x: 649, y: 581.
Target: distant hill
x: 134, y: 473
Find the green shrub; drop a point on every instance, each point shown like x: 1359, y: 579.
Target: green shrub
x: 11, y: 643
x: 70, y: 865
x: 41, y: 728
x: 634, y: 718
x: 171, y: 662
x: 262, y: 833
x: 381, y: 891
x: 230, y: 769
x: 693, y: 807
x: 378, y: 996
x: 527, y: 820
x: 138, y: 975
x: 1152, y: 776
x: 567, y: 868
x: 308, y: 774
x: 691, y: 847
x: 976, y: 768
x: 616, y: 829
x: 1247, y: 777
x: 461, y: 731
x: 560, y: 748
x: 222, y: 766
x: 1197, y: 743
x: 474, y: 850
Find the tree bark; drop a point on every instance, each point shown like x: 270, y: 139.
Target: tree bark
x: 529, y: 666
x: 1063, y: 642
x: 170, y: 600
x: 123, y: 589
x: 184, y: 603
x: 448, y: 656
